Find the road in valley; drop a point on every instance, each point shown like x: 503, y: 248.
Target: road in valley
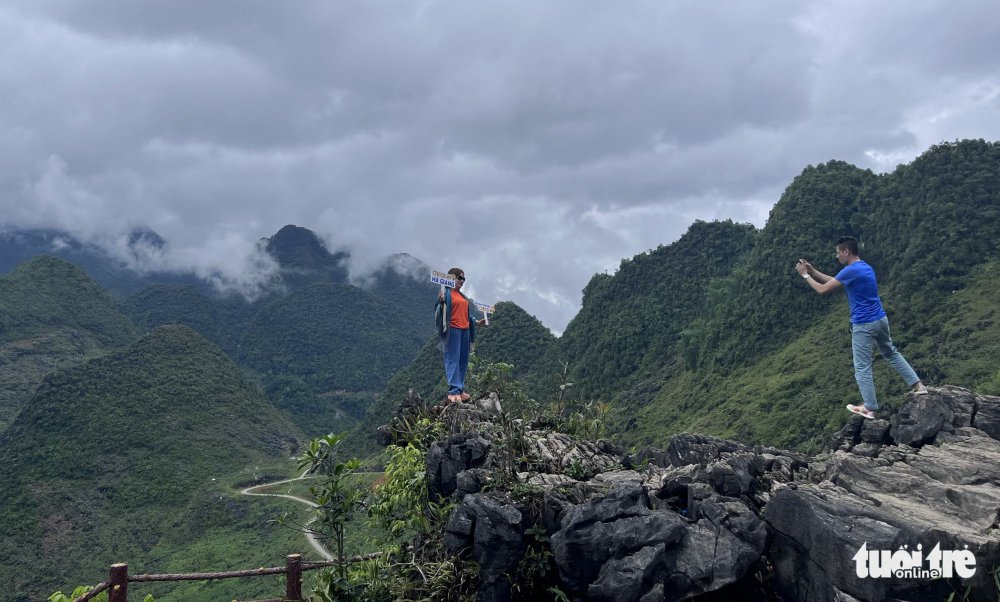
x: 310, y: 536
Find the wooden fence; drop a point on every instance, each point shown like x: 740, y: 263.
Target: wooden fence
x: 118, y: 578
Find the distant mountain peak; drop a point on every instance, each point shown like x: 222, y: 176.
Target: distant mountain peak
x: 304, y: 256
x: 145, y: 237
x: 296, y: 247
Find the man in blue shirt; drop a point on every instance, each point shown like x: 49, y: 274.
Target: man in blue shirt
x: 869, y: 324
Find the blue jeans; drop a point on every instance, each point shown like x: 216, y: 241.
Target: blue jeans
x: 863, y: 338
x: 456, y: 359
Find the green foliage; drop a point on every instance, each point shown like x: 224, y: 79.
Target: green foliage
x: 588, y: 421
x: 536, y: 568
x: 110, y: 458
x: 337, y: 499
x: 79, y: 591
x: 401, y: 498
x: 584, y: 420
x: 83, y: 589
x: 334, y: 336
x: 487, y: 377
x: 413, y: 564
x: 46, y: 294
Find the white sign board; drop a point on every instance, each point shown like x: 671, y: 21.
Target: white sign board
x: 486, y: 311
x: 443, y: 279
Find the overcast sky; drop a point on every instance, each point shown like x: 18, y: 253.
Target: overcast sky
x: 531, y: 143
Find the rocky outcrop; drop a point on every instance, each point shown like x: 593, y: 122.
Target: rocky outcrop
x: 927, y: 477
x: 663, y: 533
x: 449, y: 460
x: 492, y: 527
x: 619, y: 547
x: 707, y: 514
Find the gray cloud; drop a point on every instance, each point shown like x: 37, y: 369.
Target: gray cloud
x: 533, y: 147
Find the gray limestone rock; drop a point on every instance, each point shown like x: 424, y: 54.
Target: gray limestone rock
x: 446, y: 459
x: 946, y: 494
x: 618, y: 547
x: 701, y: 515
x: 492, y: 528
x: 987, y: 416
x: 920, y: 420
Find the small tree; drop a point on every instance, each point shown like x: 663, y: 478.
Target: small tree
x: 337, y: 497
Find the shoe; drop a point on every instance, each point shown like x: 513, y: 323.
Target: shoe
x: 465, y: 396
x: 921, y: 391
x: 861, y: 411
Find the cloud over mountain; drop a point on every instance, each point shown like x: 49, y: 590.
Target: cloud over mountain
x: 531, y: 147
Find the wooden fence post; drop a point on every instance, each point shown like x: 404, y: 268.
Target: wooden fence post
x: 293, y: 570
x: 118, y: 578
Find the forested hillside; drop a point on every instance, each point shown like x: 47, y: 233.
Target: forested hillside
x: 772, y: 361
x: 51, y: 315
x: 118, y: 459
x: 633, y: 320
x: 46, y: 293
x: 322, y: 347
x: 716, y: 332
x: 221, y: 320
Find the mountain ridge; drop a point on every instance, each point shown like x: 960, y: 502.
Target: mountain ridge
x: 103, y: 460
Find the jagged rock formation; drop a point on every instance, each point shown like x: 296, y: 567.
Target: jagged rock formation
x: 929, y: 476
x: 706, y: 514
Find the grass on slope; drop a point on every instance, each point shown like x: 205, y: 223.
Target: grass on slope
x: 789, y: 399
x: 795, y: 398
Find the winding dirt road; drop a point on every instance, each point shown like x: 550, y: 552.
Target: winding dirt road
x: 310, y: 537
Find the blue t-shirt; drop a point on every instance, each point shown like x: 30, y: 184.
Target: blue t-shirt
x: 858, y: 279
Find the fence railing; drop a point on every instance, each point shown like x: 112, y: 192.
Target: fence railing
x: 118, y: 578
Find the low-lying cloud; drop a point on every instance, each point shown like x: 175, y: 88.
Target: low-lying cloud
x: 533, y: 147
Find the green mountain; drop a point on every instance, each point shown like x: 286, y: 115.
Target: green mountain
x: 324, y: 350
x: 304, y: 258
x: 771, y: 361
x: 46, y: 294
x: 219, y: 318
x: 630, y: 321
x: 716, y: 332
x: 52, y: 315
x: 338, y: 336
x: 322, y: 347
x: 122, y: 458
